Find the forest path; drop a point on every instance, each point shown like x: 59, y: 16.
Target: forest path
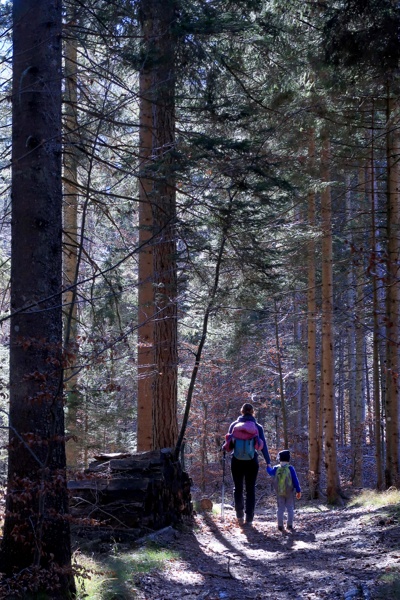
x: 333, y: 553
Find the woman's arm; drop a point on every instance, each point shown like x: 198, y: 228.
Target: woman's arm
x: 265, y: 447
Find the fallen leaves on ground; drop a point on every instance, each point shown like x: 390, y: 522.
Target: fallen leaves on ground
x: 332, y: 554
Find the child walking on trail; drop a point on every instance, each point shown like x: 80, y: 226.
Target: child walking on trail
x: 285, y: 484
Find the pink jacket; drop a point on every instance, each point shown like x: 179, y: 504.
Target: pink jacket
x: 243, y: 430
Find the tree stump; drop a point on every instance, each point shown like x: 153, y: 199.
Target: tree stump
x: 206, y: 504
x: 130, y: 494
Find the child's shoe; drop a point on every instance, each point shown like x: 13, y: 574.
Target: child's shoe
x: 280, y: 527
x: 289, y: 527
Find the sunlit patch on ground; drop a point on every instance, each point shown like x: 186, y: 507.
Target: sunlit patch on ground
x: 216, y: 547
x: 300, y: 545
x: 180, y: 573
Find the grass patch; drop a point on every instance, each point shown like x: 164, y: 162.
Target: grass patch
x: 389, y: 585
x: 383, y: 507
x: 113, y: 577
x: 374, y: 499
x: 216, y: 509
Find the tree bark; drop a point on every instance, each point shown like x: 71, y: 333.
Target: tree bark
x: 281, y: 381
x: 70, y: 243
x: 392, y: 476
x: 328, y: 398
x: 375, y: 259
x: 341, y: 393
x: 351, y: 334
x: 145, y: 349
x: 158, y: 344
x: 314, y: 456
x: 36, y: 530
x: 359, y: 412
x: 204, y: 440
x: 165, y: 422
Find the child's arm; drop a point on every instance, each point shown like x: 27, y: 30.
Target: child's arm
x: 271, y: 471
x: 295, y: 480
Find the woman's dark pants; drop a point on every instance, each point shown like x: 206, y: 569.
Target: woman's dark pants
x: 244, y: 473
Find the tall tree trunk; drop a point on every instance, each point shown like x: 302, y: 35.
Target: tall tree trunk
x: 351, y: 334
x: 369, y: 418
x: 376, y: 325
x: 70, y: 242
x: 158, y: 344
x: 328, y: 397
x: 165, y: 422
x: 281, y: 381
x: 36, y: 530
x: 359, y: 335
x: 392, y: 294
x: 341, y: 393
x: 146, y: 278
x: 204, y: 441
x: 314, y: 455
x: 303, y: 404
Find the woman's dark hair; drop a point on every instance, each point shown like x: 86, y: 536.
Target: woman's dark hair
x: 247, y: 409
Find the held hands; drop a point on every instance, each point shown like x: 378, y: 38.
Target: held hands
x: 298, y: 495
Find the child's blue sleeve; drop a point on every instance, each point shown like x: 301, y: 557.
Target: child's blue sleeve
x: 296, y: 483
x: 271, y: 471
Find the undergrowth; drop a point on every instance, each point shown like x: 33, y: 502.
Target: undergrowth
x: 386, y: 506
x: 372, y: 498
x: 389, y: 585
x: 112, y: 577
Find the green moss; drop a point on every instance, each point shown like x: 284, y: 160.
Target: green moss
x: 389, y: 585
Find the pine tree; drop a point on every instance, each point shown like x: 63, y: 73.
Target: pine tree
x: 158, y: 191
x: 36, y: 530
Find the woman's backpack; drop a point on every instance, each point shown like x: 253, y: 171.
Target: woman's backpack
x: 244, y: 440
x: 244, y: 449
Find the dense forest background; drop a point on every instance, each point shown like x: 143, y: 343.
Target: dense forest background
x: 282, y: 150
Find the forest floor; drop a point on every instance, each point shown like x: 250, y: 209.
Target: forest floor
x: 344, y: 553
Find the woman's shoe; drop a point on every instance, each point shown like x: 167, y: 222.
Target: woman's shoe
x: 240, y: 517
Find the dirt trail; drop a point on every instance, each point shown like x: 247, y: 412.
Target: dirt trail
x: 335, y: 553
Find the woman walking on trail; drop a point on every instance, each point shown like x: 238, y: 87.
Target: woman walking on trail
x: 245, y: 437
